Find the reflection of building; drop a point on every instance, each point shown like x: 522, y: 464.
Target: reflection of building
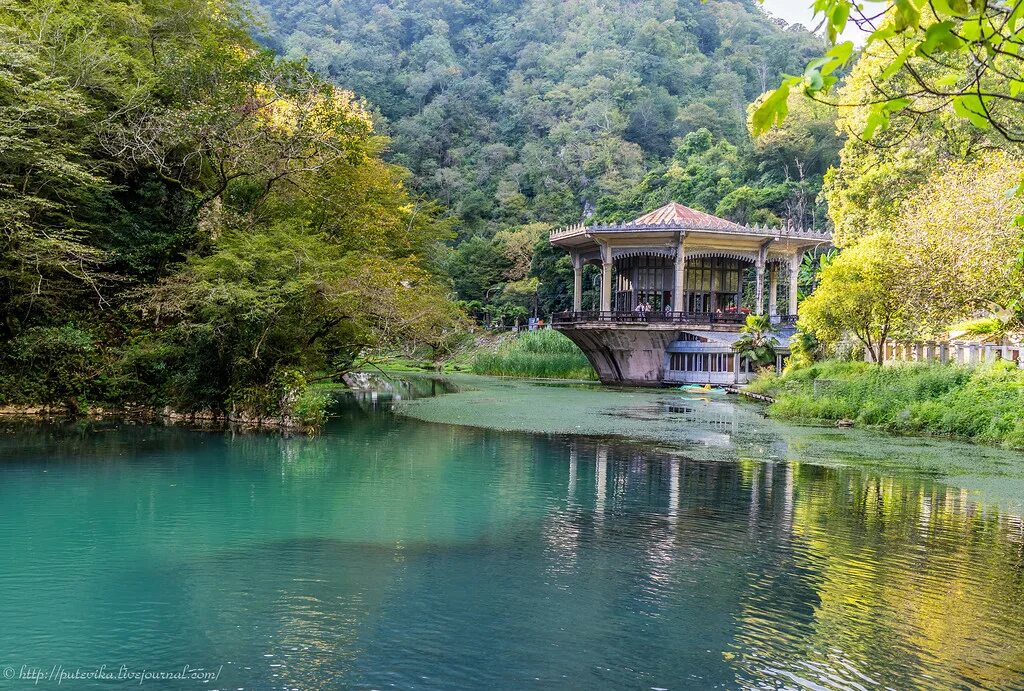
x: 699, y: 276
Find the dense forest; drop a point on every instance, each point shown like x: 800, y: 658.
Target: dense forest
x: 511, y: 112
x: 518, y: 116
x: 189, y: 221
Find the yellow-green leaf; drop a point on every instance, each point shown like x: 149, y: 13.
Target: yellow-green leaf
x: 894, y: 66
x: 950, y: 8
x: 837, y: 23
x: 970, y: 107
x: 906, y: 16
x: 840, y: 54
x: 772, y: 111
x: 938, y: 37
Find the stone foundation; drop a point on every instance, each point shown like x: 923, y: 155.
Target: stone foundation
x: 628, y: 354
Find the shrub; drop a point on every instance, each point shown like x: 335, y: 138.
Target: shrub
x: 55, y: 365
x: 310, y: 408
x: 984, y: 403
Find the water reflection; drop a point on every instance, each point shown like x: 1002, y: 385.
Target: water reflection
x: 831, y: 577
x: 376, y: 392
x: 395, y: 552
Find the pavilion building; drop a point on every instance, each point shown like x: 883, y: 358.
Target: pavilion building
x: 694, y: 278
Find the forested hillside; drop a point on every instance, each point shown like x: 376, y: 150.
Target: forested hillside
x: 510, y: 111
x: 520, y: 115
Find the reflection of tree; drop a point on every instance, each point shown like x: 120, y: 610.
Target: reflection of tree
x: 911, y: 581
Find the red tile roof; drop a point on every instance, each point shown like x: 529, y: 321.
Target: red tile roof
x: 673, y: 214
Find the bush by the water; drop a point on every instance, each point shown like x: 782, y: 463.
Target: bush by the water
x: 543, y: 354
x: 983, y: 403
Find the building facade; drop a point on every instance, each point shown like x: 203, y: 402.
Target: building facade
x: 675, y: 286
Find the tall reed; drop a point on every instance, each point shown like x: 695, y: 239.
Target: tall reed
x: 543, y: 354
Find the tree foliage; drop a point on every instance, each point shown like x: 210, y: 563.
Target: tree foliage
x: 219, y: 220
x: 960, y: 249
x: 859, y: 292
x: 510, y: 113
x: 758, y: 340
x: 956, y: 59
x: 918, y: 170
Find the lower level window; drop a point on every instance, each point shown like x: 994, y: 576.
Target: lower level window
x: 702, y: 362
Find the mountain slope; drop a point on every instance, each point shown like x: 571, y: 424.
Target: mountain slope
x: 511, y: 112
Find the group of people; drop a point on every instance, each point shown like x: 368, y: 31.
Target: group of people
x: 643, y: 308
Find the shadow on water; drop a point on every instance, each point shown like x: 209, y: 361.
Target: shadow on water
x: 392, y: 551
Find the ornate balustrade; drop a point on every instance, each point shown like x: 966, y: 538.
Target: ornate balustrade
x: 956, y: 352
x: 682, y: 318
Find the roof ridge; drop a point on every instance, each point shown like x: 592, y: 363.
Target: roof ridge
x: 676, y: 213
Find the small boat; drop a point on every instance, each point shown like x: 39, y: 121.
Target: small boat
x: 698, y: 388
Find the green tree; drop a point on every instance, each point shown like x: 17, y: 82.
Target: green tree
x: 511, y: 113
x: 925, y: 57
x: 287, y: 300
x: 205, y: 223
x: 860, y: 293
x: 758, y: 340
x: 960, y: 251
x: 478, y: 269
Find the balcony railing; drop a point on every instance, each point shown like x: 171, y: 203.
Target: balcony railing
x: 684, y: 318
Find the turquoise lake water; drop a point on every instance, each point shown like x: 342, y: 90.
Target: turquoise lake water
x: 393, y: 552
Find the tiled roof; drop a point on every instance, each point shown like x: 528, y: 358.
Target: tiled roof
x: 675, y: 214
x: 726, y: 337
x: 785, y: 336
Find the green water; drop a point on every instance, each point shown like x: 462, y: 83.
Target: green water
x: 398, y: 552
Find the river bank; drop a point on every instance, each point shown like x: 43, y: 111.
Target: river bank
x: 983, y: 404
x: 199, y: 419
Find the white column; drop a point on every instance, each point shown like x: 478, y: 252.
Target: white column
x: 794, y: 281
x: 773, y: 289
x: 606, y: 278
x: 577, y: 282
x: 679, y: 284
x: 759, y: 283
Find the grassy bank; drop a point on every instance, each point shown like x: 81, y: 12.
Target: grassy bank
x: 543, y: 354
x: 982, y: 404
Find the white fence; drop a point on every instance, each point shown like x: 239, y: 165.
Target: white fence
x: 958, y: 352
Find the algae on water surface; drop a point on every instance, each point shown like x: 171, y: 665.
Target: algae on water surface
x: 713, y: 427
